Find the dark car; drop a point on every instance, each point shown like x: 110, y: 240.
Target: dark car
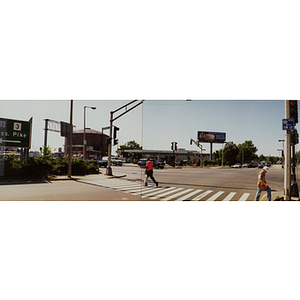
x: 156, y: 164
x: 102, y: 163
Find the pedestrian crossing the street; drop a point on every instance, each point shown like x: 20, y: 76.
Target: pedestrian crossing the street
x: 169, y: 193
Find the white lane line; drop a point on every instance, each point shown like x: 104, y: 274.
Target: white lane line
x: 244, y: 197
x: 215, y: 196
x: 202, y: 195
x: 157, y: 192
x: 178, y: 194
x: 229, y: 196
x: 189, y: 195
x: 167, y: 193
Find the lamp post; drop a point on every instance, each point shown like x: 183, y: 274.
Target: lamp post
x: 84, y: 141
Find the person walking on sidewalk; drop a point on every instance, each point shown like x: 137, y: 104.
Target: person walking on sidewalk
x: 149, y: 172
x: 262, y: 184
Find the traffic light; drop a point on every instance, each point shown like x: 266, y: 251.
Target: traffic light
x: 116, y: 141
x: 175, y: 146
x: 295, y: 137
x: 294, y: 110
x: 172, y: 146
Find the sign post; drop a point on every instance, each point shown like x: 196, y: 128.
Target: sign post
x: 287, y: 125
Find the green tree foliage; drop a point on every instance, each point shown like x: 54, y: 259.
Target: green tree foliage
x: 247, y: 152
x: 131, y: 145
x: 231, y: 152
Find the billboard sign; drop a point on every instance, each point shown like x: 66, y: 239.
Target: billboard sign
x: 211, y: 137
x: 14, y: 133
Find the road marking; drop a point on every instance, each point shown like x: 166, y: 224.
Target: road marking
x: 202, y: 195
x: 166, y: 193
x: 189, y: 195
x: 244, y: 197
x: 178, y: 194
x: 229, y: 197
x: 136, y: 188
x: 157, y: 192
x: 215, y: 196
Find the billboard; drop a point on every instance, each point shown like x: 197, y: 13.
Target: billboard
x: 14, y: 133
x: 211, y: 137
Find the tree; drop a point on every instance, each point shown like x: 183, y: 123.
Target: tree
x: 131, y: 145
x: 231, y: 152
x: 247, y: 152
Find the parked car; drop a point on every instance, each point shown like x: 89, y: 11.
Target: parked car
x: 245, y: 165
x: 156, y: 164
x: 261, y: 165
x: 102, y: 163
x: 237, y: 165
x: 115, y: 161
x: 268, y: 164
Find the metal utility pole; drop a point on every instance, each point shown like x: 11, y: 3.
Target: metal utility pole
x: 201, y: 148
x: 46, y: 132
x: 287, y: 161
x: 84, y: 141
x: 70, y: 141
x: 112, y: 119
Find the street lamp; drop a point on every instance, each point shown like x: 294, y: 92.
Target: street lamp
x: 84, y: 141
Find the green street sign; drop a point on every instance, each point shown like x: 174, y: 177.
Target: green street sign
x: 14, y: 133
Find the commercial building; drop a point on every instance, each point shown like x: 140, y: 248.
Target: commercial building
x: 96, y: 143
x: 168, y: 156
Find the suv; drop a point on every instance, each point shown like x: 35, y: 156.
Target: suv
x: 156, y: 164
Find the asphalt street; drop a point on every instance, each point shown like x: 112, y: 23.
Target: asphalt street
x: 175, y: 184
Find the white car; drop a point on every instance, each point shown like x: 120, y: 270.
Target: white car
x: 115, y: 161
x: 237, y: 165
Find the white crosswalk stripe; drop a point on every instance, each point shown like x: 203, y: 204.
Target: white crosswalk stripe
x: 167, y: 193
x: 202, y: 195
x: 244, y: 197
x: 229, y: 197
x: 215, y: 196
x: 178, y: 194
x: 187, y: 197
x: 157, y: 192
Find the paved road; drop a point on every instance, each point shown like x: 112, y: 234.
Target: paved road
x: 195, y: 184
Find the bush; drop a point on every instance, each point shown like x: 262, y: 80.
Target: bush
x: 44, y: 166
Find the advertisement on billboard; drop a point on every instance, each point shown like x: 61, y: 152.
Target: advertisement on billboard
x: 211, y: 137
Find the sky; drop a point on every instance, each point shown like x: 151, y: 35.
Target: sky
x: 156, y: 123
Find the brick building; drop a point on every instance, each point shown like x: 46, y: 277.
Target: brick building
x: 96, y: 143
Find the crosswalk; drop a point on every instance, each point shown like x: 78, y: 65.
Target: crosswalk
x: 169, y: 193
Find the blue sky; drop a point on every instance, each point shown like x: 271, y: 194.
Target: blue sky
x: 156, y: 123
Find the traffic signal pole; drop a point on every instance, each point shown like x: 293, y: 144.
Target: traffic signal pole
x: 287, y: 161
x: 112, y: 119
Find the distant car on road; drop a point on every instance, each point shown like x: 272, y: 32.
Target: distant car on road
x: 115, y: 161
x: 102, y: 163
x: 156, y: 164
x: 237, y: 165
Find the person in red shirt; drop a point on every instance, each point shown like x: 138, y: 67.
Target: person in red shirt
x: 149, y: 172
